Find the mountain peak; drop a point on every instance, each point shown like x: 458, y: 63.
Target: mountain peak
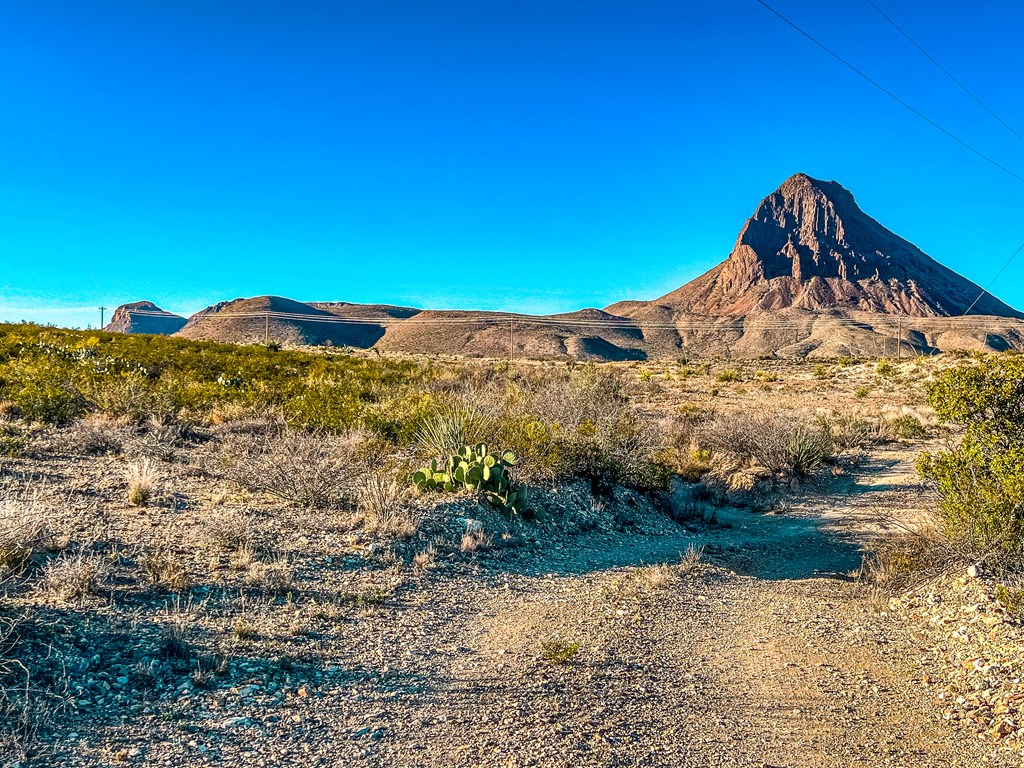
x: 810, y: 246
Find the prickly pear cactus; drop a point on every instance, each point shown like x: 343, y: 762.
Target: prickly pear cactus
x: 476, y: 470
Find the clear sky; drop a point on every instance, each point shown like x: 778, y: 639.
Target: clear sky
x: 533, y: 156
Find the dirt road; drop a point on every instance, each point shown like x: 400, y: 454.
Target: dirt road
x: 767, y: 654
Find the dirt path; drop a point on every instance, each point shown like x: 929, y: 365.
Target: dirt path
x: 777, y: 659
x: 767, y: 655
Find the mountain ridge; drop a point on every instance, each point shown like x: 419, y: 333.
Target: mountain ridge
x: 810, y: 274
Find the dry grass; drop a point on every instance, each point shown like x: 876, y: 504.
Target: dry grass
x: 659, y: 577
x: 24, y: 531
x: 425, y: 559
x: 383, y: 505
x: 165, y: 569
x: 272, y: 578
x: 73, y: 577
x: 475, y: 541
x: 141, y: 476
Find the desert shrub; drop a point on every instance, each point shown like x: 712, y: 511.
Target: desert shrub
x: 556, y: 651
x: 9, y: 410
x: 305, y: 468
x: 885, y: 368
x: 728, y: 375
x: 55, y: 375
x: 232, y: 529
x: 96, y: 435
x: 778, y: 442
x: 862, y: 392
x: 49, y: 401
x: 13, y: 441
x: 908, y: 427
x: 74, y: 576
x: 1011, y: 598
x: 821, y: 371
x: 382, y: 502
x: 847, y: 431
x: 582, y: 425
x: 141, y: 477
x: 981, y: 482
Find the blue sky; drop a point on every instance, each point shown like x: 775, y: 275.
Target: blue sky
x: 531, y: 156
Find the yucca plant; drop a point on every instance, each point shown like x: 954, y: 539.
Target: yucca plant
x: 452, y: 426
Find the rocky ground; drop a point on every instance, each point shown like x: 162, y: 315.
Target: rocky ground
x: 739, y: 639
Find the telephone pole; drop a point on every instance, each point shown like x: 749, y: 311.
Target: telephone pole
x: 266, y: 329
x: 511, y: 345
x: 102, y: 311
x: 899, y: 341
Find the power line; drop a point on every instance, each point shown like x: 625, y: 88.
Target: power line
x: 993, y: 280
x: 945, y: 71
x: 695, y: 324
x: 890, y: 94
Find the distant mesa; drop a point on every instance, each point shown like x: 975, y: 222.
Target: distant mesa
x: 144, y: 317
x: 810, y: 275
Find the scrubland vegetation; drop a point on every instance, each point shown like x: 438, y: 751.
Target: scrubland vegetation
x: 184, y: 509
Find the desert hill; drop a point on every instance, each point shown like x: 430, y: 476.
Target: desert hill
x: 144, y: 317
x: 283, y: 320
x: 589, y: 334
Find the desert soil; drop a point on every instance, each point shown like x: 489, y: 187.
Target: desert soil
x: 767, y: 653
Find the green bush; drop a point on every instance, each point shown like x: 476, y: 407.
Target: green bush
x: 981, y: 482
x: 908, y: 427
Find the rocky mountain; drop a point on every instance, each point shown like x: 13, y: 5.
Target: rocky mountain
x: 810, y: 246
x: 144, y: 317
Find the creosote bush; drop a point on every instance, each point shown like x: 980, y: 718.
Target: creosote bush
x: 981, y: 482
x: 777, y: 442
x: 308, y: 469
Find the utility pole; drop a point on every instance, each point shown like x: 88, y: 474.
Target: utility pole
x: 899, y: 341
x: 102, y: 311
x: 266, y: 329
x: 511, y: 344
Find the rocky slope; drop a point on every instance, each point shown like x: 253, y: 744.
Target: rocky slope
x: 810, y: 246
x: 144, y: 317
